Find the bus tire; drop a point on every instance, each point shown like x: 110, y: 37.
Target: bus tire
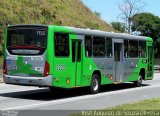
x: 138, y: 83
x: 95, y: 84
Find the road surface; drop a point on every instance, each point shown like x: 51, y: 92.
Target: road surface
x: 14, y: 97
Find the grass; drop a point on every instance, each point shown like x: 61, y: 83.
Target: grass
x: 149, y: 107
x: 57, y: 12
x: 152, y: 104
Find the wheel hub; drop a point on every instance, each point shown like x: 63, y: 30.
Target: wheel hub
x: 95, y: 84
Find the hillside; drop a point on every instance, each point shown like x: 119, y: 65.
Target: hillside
x: 58, y: 12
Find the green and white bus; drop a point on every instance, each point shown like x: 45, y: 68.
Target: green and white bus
x: 68, y: 57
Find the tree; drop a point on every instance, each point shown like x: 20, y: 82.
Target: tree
x: 148, y: 25
x: 129, y: 8
x: 118, y: 26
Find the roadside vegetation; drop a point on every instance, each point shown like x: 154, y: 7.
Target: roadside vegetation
x: 145, y: 108
x: 152, y: 104
x: 54, y: 12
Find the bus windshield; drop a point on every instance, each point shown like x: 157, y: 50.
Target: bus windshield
x: 28, y: 41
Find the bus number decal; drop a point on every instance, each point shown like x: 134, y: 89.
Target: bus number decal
x: 41, y: 33
x: 60, y: 67
x: 39, y: 68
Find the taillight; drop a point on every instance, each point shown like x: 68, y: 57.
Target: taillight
x: 46, y: 69
x: 4, y: 67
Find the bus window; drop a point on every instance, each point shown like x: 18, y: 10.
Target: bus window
x: 126, y: 48
x: 79, y: 51
x: 133, y: 48
x: 61, y: 45
x: 109, y: 47
x: 99, y: 47
x: 18, y: 39
x: 30, y: 41
x: 88, y: 46
x: 142, y: 49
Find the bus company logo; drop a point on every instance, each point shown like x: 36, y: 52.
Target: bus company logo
x: 90, y: 67
x: 10, y: 68
x: 8, y: 61
x: 124, y: 61
x: 26, y: 62
x: 109, y: 65
x: 132, y: 64
x: 11, y: 58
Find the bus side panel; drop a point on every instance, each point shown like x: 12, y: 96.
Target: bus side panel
x: 130, y: 74
x: 150, y: 61
x: 133, y: 67
x: 63, y: 70
x: 106, y: 68
x: 91, y: 64
x: 88, y: 68
x: 108, y: 71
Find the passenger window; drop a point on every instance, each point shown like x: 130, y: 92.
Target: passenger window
x: 109, y: 47
x: 61, y: 45
x: 142, y: 49
x: 133, y: 48
x: 126, y: 51
x: 99, y: 47
x: 88, y: 46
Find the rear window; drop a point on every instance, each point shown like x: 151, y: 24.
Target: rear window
x: 32, y: 41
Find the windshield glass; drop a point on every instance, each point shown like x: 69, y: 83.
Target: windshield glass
x: 26, y: 39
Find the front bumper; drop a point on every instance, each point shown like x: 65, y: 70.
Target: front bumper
x: 31, y: 81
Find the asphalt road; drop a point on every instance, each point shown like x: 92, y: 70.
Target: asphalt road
x: 14, y: 97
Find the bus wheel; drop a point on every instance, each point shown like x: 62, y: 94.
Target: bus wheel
x: 95, y: 84
x: 138, y: 83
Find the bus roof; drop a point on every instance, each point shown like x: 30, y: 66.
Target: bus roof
x: 89, y: 32
x: 109, y: 34
x: 26, y: 25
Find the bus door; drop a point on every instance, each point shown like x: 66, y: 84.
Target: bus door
x: 118, y: 59
x: 77, y: 60
x: 150, y: 61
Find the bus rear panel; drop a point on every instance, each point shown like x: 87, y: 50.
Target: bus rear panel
x: 25, y: 56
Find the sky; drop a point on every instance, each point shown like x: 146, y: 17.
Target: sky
x: 109, y: 8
